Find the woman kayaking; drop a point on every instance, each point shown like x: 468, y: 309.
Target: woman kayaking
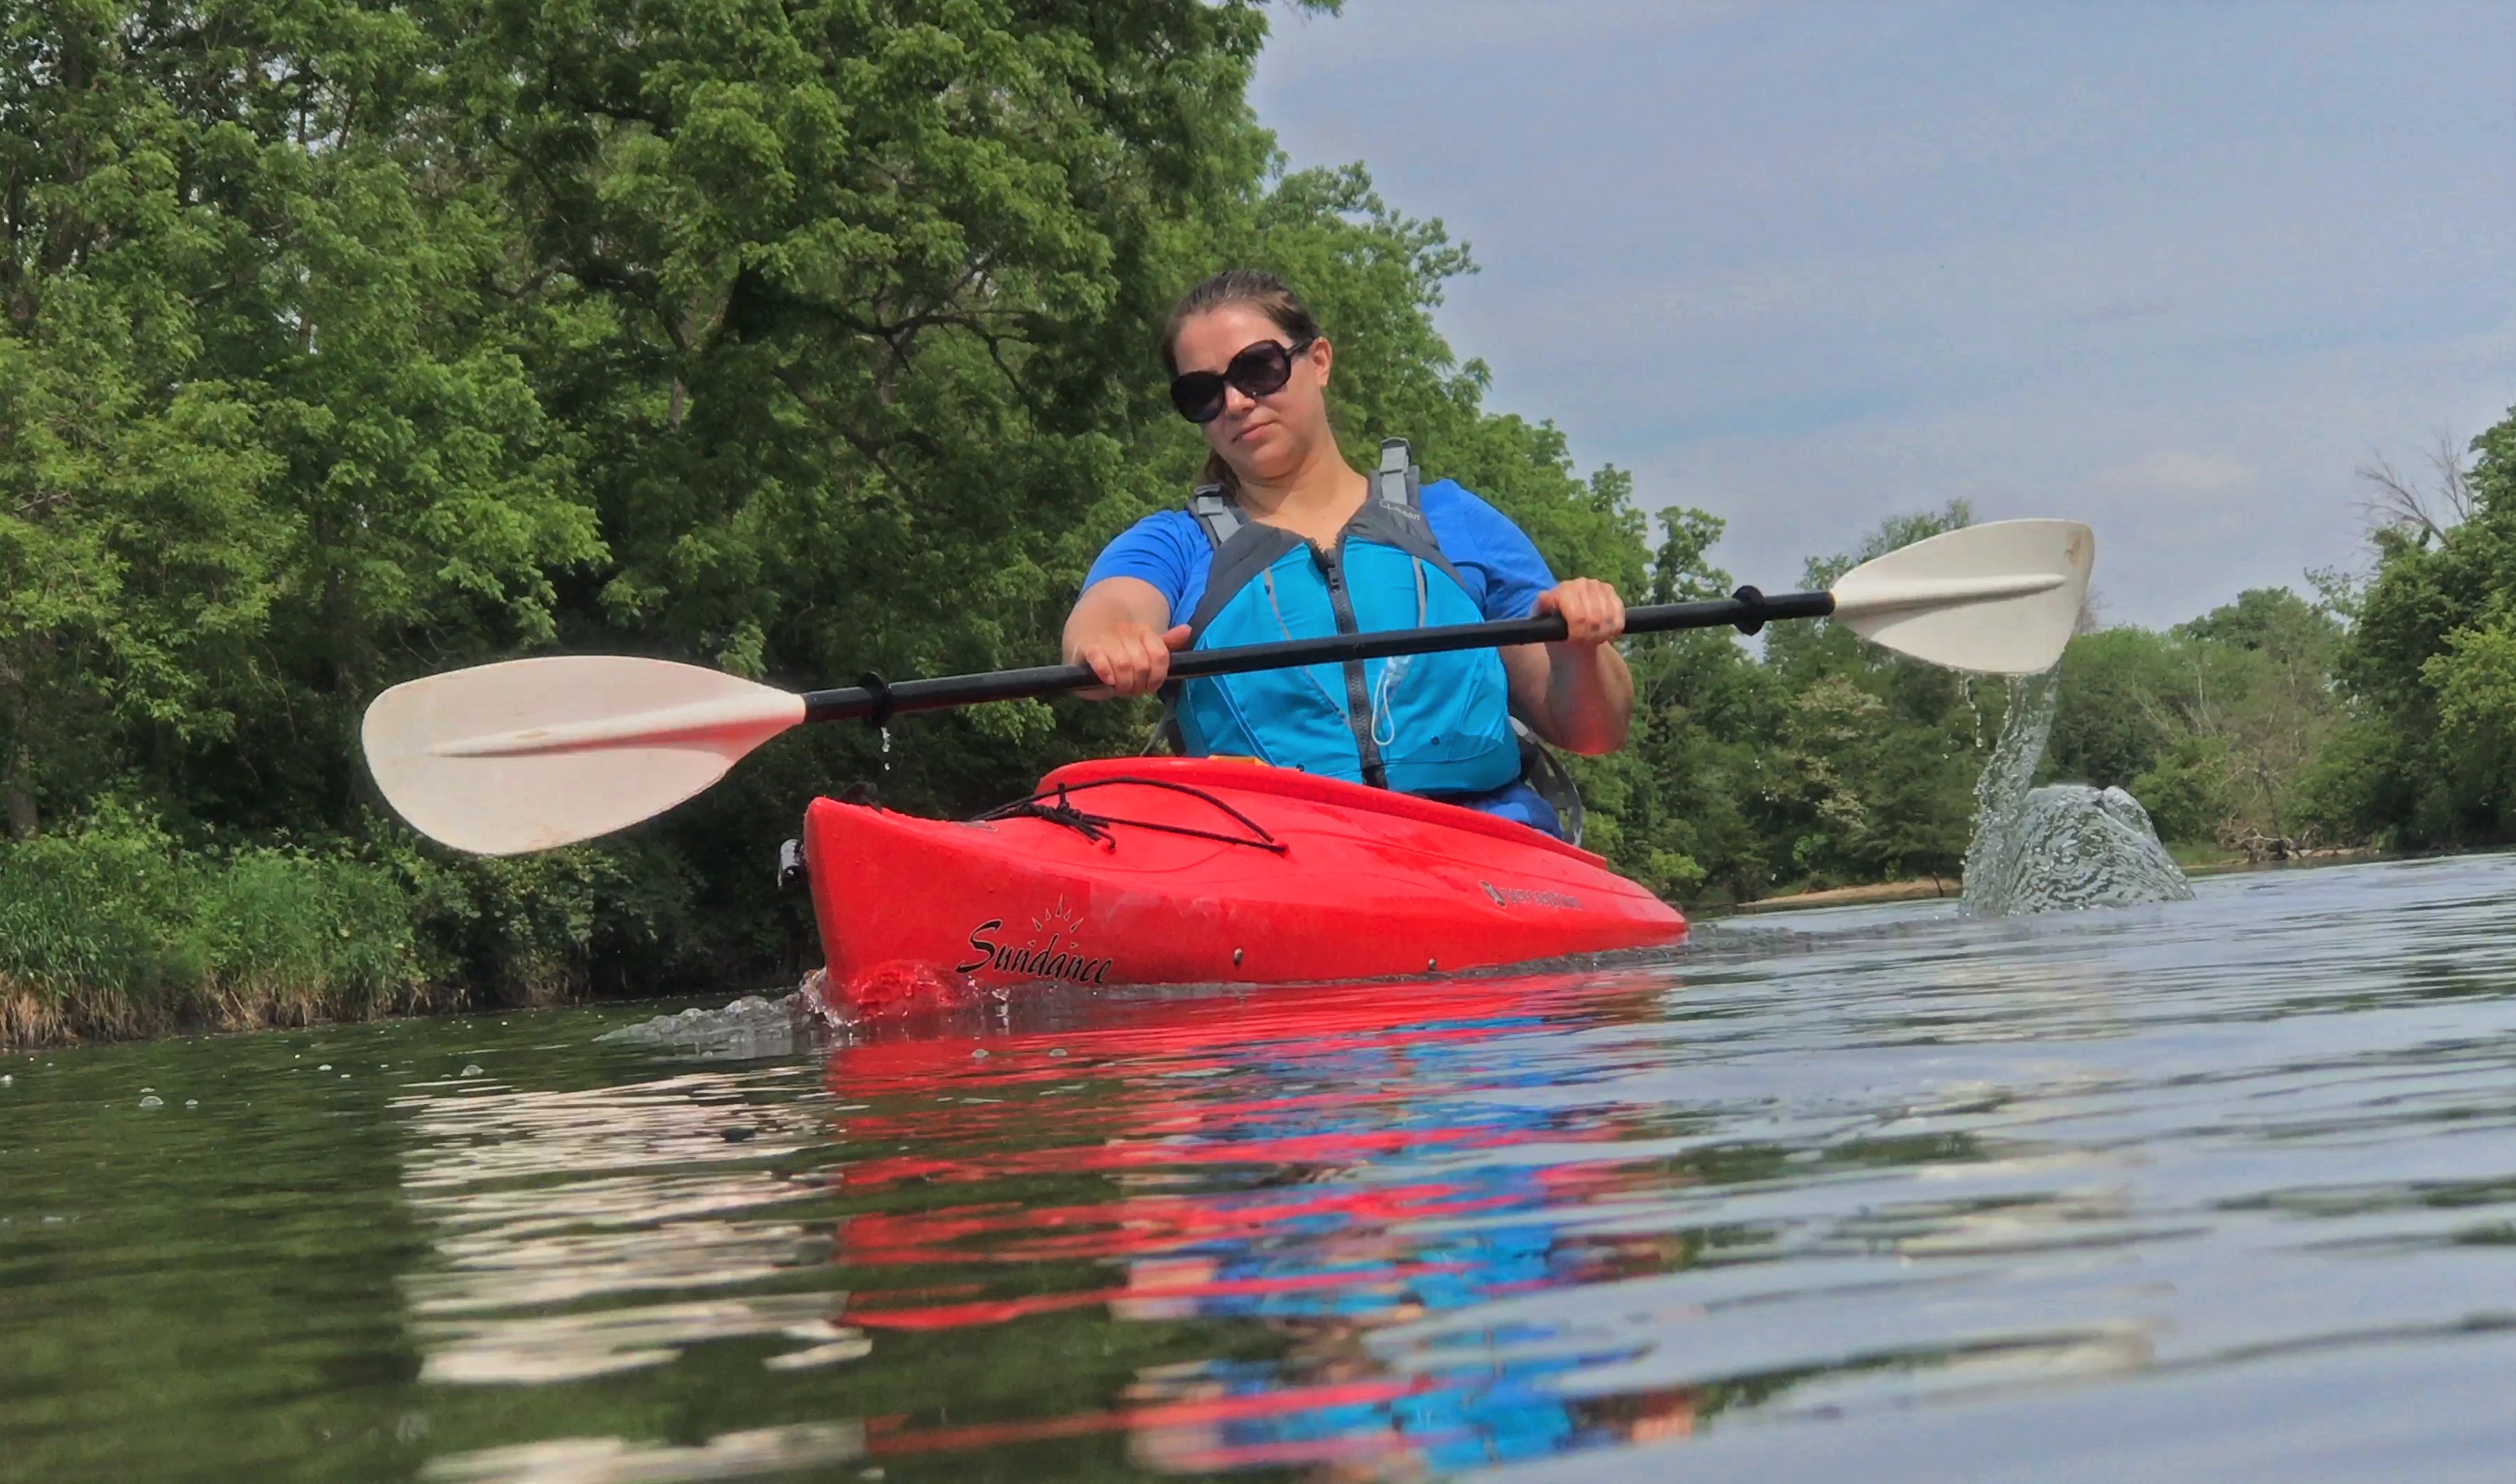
x: 1283, y: 539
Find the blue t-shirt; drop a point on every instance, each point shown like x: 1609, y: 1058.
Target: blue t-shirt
x: 1495, y: 561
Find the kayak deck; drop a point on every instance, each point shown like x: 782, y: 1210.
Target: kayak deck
x: 1174, y: 870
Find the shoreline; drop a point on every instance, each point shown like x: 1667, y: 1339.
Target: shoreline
x: 1926, y: 888
x: 1871, y: 893
x: 40, y: 1019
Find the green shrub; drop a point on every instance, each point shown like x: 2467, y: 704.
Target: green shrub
x: 110, y: 929
x: 537, y: 929
x: 2186, y: 792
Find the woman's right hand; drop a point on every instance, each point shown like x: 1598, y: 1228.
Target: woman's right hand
x: 1131, y: 658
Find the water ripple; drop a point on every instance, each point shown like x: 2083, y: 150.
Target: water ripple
x: 2223, y: 1188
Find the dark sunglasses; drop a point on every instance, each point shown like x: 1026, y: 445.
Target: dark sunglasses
x: 1255, y: 372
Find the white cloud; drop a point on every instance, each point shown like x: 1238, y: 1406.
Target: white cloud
x: 2174, y: 471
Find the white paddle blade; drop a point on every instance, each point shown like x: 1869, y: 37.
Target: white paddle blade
x: 2000, y: 599
x: 530, y: 754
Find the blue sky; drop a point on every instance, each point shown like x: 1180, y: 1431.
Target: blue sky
x: 2173, y: 270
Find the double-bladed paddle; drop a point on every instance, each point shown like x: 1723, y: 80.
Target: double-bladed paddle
x: 525, y: 754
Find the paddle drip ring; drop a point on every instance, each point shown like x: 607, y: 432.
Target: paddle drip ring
x: 1753, y: 601
x: 879, y: 689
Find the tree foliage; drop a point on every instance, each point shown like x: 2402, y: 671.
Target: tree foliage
x: 345, y: 342
x: 2382, y: 710
x: 2216, y: 725
x: 2425, y: 756
x: 1821, y: 761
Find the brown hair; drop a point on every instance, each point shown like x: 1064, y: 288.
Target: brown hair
x: 1264, y: 292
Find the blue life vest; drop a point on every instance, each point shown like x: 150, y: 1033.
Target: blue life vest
x: 1424, y: 724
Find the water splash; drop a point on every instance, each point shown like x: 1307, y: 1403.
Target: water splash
x: 751, y: 1027
x: 2064, y: 846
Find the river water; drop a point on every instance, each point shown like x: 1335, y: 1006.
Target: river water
x: 2223, y: 1188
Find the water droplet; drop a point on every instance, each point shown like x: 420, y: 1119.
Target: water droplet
x: 6, y: 1079
x: 326, y: 1067
x: 152, y: 1102
x: 148, y: 1089
x: 981, y: 1054
x: 1056, y: 1050
x: 344, y: 1076
x: 471, y: 1069
x: 191, y: 1102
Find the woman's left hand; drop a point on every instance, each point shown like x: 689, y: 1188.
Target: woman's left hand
x: 1593, y: 613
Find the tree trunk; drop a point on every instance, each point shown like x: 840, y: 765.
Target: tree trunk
x: 17, y: 784
x: 18, y: 792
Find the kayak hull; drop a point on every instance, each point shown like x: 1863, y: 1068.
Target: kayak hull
x: 1193, y: 871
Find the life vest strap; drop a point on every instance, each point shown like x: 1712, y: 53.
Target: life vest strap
x: 1396, y: 482
x: 1217, y: 513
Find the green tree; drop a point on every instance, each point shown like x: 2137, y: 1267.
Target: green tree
x: 2113, y: 722
x: 1870, y: 790
x: 2217, y: 725
x: 2419, y: 760
x: 262, y: 422
x: 1683, y: 795
x: 2262, y: 668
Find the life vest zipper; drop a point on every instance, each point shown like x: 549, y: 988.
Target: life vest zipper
x: 1358, y: 691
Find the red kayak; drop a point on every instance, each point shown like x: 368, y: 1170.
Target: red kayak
x: 1199, y: 871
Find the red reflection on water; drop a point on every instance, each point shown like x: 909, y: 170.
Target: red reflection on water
x: 1251, y: 1147
x: 1220, y: 1029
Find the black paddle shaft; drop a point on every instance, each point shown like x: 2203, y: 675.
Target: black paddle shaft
x: 877, y: 700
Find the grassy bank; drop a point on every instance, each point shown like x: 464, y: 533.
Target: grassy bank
x: 113, y: 932
x: 115, y: 929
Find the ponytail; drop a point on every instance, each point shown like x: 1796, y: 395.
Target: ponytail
x: 1219, y: 473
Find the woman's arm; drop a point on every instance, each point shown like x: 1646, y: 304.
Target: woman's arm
x: 1578, y: 693
x: 1122, y: 628
x: 1575, y: 694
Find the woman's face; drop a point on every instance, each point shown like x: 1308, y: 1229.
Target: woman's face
x: 1265, y: 438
